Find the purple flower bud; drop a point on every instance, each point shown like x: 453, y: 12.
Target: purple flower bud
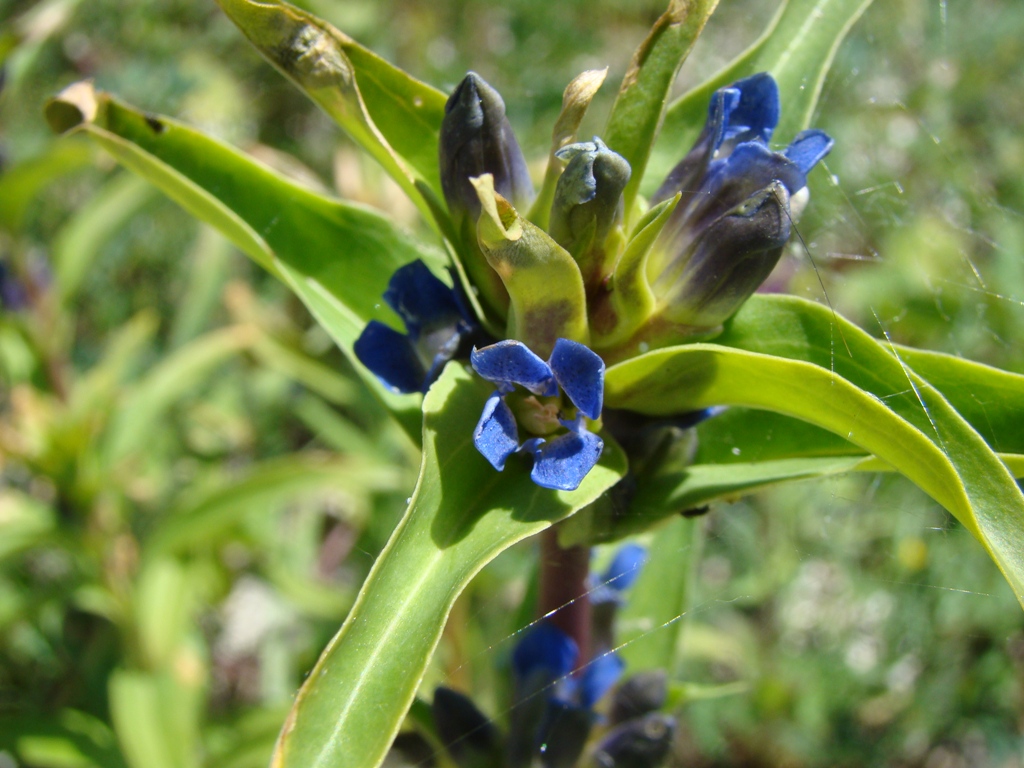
x: 639, y: 743
x: 476, y: 138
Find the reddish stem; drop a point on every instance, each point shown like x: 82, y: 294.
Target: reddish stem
x: 563, y: 589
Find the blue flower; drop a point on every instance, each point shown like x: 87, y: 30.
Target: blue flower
x: 438, y: 327
x: 561, y: 462
x: 737, y: 202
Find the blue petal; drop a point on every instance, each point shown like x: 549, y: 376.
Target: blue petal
x: 544, y: 647
x: 562, y: 463
x: 723, y: 102
x: 598, y: 677
x: 580, y: 373
x: 625, y: 567
x: 750, y: 168
x: 758, y: 110
x: 391, y: 357
x: 496, y: 436
x: 755, y: 167
x: 808, y: 148
x: 420, y: 298
x: 511, y: 362
x: 686, y: 176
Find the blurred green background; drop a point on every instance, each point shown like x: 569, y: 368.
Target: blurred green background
x: 193, y: 485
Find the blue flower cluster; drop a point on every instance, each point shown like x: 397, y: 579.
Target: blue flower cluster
x: 556, y: 695
x: 735, y: 199
x: 562, y: 462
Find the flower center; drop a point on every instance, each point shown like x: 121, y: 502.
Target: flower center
x: 536, y: 415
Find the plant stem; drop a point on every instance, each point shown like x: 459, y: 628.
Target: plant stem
x: 563, y: 589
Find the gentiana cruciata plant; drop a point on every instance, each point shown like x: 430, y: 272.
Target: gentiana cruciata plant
x: 727, y: 212
x: 581, y: 355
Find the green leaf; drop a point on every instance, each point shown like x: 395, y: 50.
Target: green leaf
x: 462, y: 514
x: 96, y: 391
x: 337, y: 257
x: 25, y: 522
x: 651, y: 625
x: 205, y: 271
x: 164, y: 603
x: 640, y: 102
x: 393, y: 116
x: 300, y: 367
x: 672, y: 490
x: 838, y: 378
x: 797, y: 48
x: 741, y: 435
x: 174, y: 377
x: 992, y: 400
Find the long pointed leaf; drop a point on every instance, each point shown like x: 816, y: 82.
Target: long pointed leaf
x: 865, y: 394
x: 461, y: 515
x: 393, y: 116
x: 336, y: 256
x: 992, y: 400
x: 640, y: 102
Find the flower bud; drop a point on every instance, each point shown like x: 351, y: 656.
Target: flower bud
x: 640, y: 743
x: 588, y: 197
x: 725, y: 264
x: 476, y: 138
x: 639, y: 695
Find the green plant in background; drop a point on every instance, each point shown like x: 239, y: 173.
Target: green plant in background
x: 863, y: 406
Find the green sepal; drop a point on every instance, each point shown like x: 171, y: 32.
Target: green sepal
x: 620, y: 311
x: 544, y: 284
